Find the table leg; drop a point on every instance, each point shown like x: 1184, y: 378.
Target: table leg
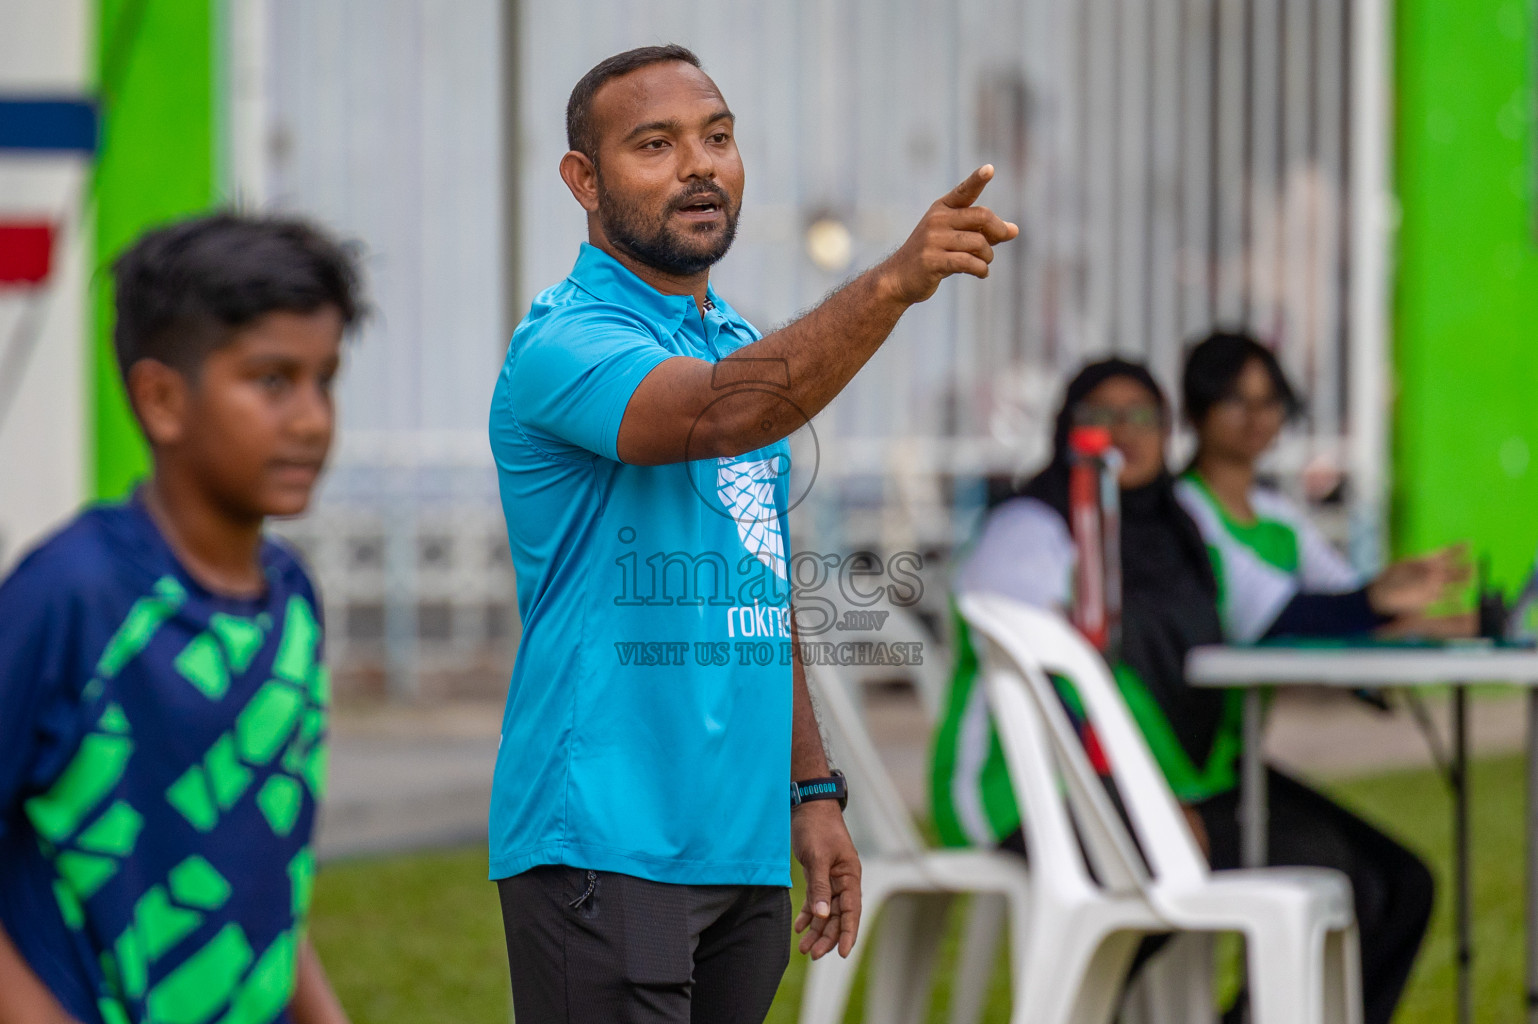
x: 1532, y: 856
x: 1252, y: 794
x: 1460, y: 782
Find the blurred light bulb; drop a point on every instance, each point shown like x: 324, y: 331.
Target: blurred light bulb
x: 829, y: 244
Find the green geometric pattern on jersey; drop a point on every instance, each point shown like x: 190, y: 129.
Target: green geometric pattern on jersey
x: 87, y: 835
x: 968, y: 774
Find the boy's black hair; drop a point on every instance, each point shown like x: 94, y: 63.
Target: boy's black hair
x: 1213, y: 367
x: 581, y: 135
x: 184, y: 289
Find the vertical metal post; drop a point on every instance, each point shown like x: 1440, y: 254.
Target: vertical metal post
x: 1532, y: 856
x: 400, y: 599
x: 512, y: 160
x: 1231, y: 109
x: 1461, y: 853
x: 246, y: 149
x: 1252, y: 795
x: 1370, y: 183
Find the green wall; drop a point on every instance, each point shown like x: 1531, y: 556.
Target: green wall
x: 156, y: 69
x: 1466, y: 299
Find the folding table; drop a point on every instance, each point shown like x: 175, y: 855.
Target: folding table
x: 1455, y: 664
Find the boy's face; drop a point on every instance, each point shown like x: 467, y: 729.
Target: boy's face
x: 253, y: 429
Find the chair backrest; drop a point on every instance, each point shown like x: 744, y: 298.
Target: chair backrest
x: 1046, y: 817
x: 876, y: 809
x: 1039, y: 642
x: 930, y: 676
x: 1053, y: 780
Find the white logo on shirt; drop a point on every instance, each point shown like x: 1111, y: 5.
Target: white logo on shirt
x: 747, y: 491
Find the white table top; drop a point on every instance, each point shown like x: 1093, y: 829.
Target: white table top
x: 1449, y: 664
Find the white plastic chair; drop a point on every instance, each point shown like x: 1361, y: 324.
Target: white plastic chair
x: 930, y: 677
x: 987, y: 918
x: 1298, y: 923
x: 895, y: 863
x: 1175, y: 985
x: 1084, y: 928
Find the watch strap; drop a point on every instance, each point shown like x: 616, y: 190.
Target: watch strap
x: 833, y: 787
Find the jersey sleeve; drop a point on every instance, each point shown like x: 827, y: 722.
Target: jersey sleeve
x: 570, y: 381
x: 35, y: 646
x: 1024, y: 552
x: 1322, y: 569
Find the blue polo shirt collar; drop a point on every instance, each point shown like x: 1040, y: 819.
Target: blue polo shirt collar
x: 608, y: 280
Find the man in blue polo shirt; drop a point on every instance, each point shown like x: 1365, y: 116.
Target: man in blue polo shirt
x: 658, y: 729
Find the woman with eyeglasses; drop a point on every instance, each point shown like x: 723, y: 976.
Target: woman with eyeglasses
x: 1170, y: 603
x: 1279, y: 576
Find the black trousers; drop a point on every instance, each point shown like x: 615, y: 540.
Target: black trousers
x: 1391, y: 885
x: 597, y: 947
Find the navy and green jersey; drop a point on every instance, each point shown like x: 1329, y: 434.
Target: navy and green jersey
x: 162, y: 751
x: 1264, y: 562
x: 1025, y: 552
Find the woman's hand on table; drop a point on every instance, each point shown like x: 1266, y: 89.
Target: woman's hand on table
x: 1460, y: 625
x: 1408, y: 588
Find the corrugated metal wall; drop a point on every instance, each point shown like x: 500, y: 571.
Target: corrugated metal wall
x: 385, y: 123
x: 384, y: 120
x: 1175, y: 165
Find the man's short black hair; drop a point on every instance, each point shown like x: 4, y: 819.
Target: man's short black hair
x: 184, y: 289
x: 1212, y: 372
x: 581, y: 135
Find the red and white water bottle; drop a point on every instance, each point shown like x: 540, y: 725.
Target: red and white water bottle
x: 1094, y: 521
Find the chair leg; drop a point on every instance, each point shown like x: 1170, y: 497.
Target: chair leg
x: 1051, y: 983
x: 906, y: 950
x: 977, y: 956
x: 1101, y: 984
x: 1342, y: 977
x: 1286, y: 975
x: 1044, y: 992
x: 1175, y: 987
x: 1140, y: 1003
x: 925, y: 954
x: 825, y: 994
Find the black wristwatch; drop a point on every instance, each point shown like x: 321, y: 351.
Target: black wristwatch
x: 832, y: 788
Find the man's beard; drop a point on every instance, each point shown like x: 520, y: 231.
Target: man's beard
x: 653, y: 240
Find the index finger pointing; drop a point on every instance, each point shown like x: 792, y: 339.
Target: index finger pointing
x: 967, y: 192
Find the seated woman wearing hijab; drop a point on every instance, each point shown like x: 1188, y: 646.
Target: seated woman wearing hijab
x: 1170, y: 603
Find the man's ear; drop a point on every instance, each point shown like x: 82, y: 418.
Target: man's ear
x: 581, y: 176
x: 159, y: 395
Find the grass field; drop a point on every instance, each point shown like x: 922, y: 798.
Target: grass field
x: 417, y: 939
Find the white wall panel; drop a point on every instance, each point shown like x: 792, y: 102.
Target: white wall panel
x: 385, y: 126
x: 44, y: 50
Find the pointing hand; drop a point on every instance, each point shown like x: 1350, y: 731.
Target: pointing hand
x: 954, y: 237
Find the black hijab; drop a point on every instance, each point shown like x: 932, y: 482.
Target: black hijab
x: 1169, y: 595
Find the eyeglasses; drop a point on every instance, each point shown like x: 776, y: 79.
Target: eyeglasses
x: 1270, y: 405
x: 1137, y: 417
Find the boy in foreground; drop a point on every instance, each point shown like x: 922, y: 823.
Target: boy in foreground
x: 162, y: 694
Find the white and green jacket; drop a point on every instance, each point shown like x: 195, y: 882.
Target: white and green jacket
x: 1263, y: 564
x: 1025, y: 552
